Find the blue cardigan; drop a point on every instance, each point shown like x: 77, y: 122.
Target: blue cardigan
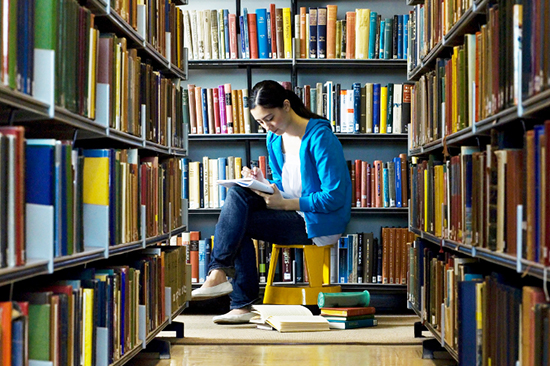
x: 326, y: 183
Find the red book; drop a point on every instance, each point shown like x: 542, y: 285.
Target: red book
x: 253, y: 35
x: 365, y: 184
x: 5, y: 322
x: 372, y: 186
x: 192, y: 108
x: 233, y: 36
x: 378, y: 184
x: 273, y: 26
x: 194, y: 237
x: 348, y: 311
x: 216, y: 100
x: 263, y: 165
x: 358, y: 184
x: 350, y: 35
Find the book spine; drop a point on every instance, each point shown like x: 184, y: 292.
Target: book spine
x: 321, y: 33
x: 312, y: 32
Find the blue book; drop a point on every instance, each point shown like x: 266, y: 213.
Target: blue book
x: 202, y: 260
x: 343, y: 260
x: 204, y: 99
x: 405, y: 36
x: 245, y: 30
x: 376, y: 108
x: 372, y: 33
x: 226, y: 28
x: 467, y: 322
x: 382, y: 39
x: 356, y: 107
x: 386, y: 185
x: 243, y: 39
x: 397, y: 162
x: 321, y: 33
x: 207, y: 253
x: 185, y: 177
x: 39, y: 171
x: 312, y: 33
x: 351, y: 254
x: 261, y: 25
x: 222, y: 191
x: 17, y: 342
x: 400, y: 37
x: 351, y: 324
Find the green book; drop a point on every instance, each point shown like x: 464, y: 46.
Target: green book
x: 39, y: 332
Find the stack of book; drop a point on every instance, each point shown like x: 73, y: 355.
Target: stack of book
x: 347, y: 310
x: 350, y: 317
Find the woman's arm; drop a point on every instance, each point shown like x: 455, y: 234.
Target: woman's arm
x: 328, y: 163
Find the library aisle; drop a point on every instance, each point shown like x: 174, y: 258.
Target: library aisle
x: 391, y: 343
x: 303, y: 355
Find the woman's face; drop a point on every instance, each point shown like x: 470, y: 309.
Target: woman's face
x: 275, y: 120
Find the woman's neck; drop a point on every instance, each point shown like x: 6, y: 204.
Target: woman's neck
x: 298, y: 125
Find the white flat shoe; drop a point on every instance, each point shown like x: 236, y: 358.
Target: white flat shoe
x: 233, y: 319
x: 222, y: 289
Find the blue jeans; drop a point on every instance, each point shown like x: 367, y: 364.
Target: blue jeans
x: 244, y: 216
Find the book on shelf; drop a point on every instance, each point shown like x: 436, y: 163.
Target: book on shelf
x: 288, y: 318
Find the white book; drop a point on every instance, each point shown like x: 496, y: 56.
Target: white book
x: 212, y: 179
x: 206, y: 34
x: 221, y: 35
x: 288, y: 318
x: 205, y: 185
x: 194, y: 34
x: 246, y: 112
x: 187, y: 35
x: 214, y: 34
x: 397, y: 107
x: 249, y: 183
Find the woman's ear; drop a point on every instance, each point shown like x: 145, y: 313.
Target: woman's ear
x: 286, y: 105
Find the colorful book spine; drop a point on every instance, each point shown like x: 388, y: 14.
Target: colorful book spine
x: 321, y: 33
x: 372, y: 34
x: 204, y: 101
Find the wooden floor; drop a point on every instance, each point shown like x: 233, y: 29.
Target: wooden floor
x: 290, y: 355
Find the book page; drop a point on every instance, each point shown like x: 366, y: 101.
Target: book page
x: 249, y: 183
x: 265, y: 311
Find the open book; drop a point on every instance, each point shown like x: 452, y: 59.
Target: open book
x: 288, y: 318
x: 249, y: 183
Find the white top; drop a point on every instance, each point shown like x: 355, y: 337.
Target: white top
x: 291, y: 177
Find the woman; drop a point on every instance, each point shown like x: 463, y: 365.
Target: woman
x: 308, y: 165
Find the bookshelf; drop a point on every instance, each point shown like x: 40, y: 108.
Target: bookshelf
x: 244, y: 73
x: 480, y: 221
x: 66, y: 236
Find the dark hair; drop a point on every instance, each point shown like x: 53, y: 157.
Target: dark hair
x: 271, y: 94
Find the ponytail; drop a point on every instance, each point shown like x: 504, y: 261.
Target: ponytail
x: 271, y: 94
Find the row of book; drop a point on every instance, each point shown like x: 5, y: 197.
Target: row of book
x: 473, y: 198
x: 466, y: 304
x: 379, y: 184
x: 364, y: 108
x: 349, y: 317
x: 97, y: 76
x: 138, y: 99
x: 159, y: 22
x: 429, y: 24
x: 363, y: 34
x: 94, y: 314
x: 476, y: 81
x: 201, y: 187
x: 267, y: 34
x: 368, y: 108
x: 76, y: 53
x: 357, y: 258
x: 220, y: 110
x: 51, y: 191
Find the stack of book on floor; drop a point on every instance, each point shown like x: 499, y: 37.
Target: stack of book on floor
x: 350, y: 317
x: 347, y: 310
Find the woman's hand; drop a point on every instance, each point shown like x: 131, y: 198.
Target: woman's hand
x: 274, y: 201
x: 254, y: 173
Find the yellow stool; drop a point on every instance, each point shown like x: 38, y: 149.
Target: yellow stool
x: 317, y: 263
